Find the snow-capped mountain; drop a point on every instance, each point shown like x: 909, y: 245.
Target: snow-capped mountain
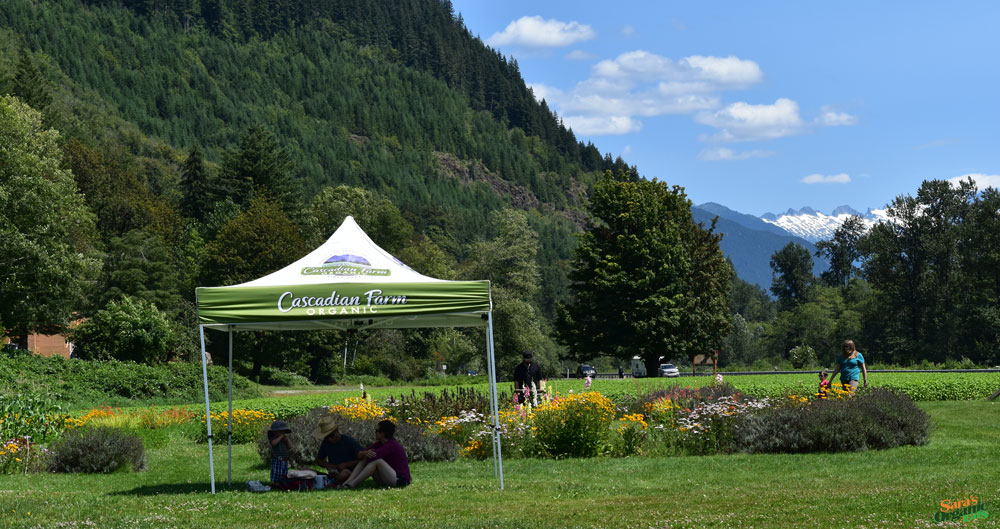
x: 815, y: 226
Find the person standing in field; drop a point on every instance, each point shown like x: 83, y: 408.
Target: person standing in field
x: 527, y: 378
x: 850, y: 364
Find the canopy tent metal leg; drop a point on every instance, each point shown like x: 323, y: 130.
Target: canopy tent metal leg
x: 491, y: 376
x: 208, y: 412
x: 229, y: 474
x: 497, y: 453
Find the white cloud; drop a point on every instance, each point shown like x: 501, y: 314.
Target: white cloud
x: 745, y: 122
x: 731, y: 70
x: 982, y: 180
x: 536, y: 32
x: 816, y: 178
x: 640, y: 84
x: 579, y: 55
x: 628, y: 31
x: 643, y: 84
x: 724, y: 154
x: 641, y: 65
x: 602, y: 125
x: 831, y: 118
x: 627, y: 149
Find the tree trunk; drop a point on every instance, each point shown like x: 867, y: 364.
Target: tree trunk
x: 652, y: 363
x: 255, y: 373
x: 21, y: 339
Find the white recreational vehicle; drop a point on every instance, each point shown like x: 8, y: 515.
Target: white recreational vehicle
x: 638, y: 367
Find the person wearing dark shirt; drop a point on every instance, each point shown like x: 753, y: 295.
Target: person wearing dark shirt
x: 527, y: 375
x: 385, y: 460
x: 338, y: 453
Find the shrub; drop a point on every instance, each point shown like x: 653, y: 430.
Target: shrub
x: 431, y: 407
x: 273, y: 376
x: 97, y: 450
x: 126, y: 329
x: 873, y: 419
x: 574, y: 426
x: 682, y: 397
x: 27, y: 413
x: 420, y: 444
x: 88, y: 383
x: 802, y: 356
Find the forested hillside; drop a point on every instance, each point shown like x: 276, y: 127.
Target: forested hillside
x: 179, y: 117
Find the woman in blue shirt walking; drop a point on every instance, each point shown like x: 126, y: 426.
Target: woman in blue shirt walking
x: 850, y: 364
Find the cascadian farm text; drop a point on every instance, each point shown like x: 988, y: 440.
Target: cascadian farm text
x: 339, y: 304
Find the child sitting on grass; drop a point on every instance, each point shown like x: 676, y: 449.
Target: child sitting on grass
x: 280, y: 448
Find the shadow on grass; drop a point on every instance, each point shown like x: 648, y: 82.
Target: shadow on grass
x: 178, y: 488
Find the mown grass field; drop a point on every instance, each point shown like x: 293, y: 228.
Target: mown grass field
x: 893, y: 488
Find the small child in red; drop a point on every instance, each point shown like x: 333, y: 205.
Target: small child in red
x: 824, y: 385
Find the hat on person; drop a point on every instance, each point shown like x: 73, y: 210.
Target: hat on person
x: 527, y: 355
x: 325, y: 428
x: 279, y: 426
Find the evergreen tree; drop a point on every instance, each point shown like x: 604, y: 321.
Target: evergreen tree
x: 30, y: 86
x: 141, y: 266
x: 842, y: 252
x: 791, y: 275
x: 261, y: 166
x: 198, y: 192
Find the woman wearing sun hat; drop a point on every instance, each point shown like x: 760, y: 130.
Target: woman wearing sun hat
x: 280, y: 448
x: 338, y: 453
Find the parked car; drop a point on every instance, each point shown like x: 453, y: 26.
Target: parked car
x: 586, y: 371
x: 669, y: 370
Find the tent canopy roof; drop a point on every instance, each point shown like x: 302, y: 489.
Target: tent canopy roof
x: 348, y: 282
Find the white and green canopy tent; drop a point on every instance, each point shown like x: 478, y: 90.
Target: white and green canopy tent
x: 346, y: 283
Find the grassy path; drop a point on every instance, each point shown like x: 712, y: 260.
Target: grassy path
x: 893, y: 488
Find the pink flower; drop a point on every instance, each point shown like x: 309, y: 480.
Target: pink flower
x: 527, y: 391
x: 586, y: 383
x: 718, y: 378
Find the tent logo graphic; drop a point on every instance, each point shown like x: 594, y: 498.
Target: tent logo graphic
x: 345, y: 264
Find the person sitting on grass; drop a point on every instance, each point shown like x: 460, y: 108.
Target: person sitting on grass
x: 338, y: 453
x: 280, y: 448
x: 385, y: 459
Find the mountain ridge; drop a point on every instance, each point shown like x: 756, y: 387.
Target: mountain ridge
x: 815, y: 226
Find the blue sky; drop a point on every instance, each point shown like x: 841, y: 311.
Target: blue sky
x: 763, y: 106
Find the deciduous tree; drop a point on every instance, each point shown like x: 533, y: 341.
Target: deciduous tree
x: 46, y: 230
x: 646, y: 280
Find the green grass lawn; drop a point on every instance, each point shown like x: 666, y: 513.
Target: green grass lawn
x: 893, y: 488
